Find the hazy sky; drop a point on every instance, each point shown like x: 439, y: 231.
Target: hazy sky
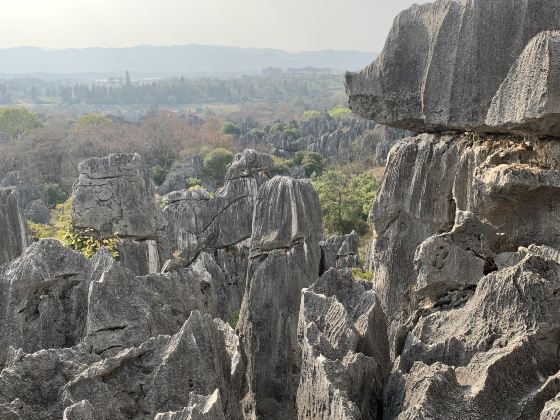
x: 294, y: 25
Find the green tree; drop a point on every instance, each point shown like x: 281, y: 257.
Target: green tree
x: 93, y: 120
x: 231, y: 128
x: 276, y: 128
x: 292, y: 133
x: 312, y: 162
x: 216, y: 162
x: 15, y: 122
x: 345, y: 200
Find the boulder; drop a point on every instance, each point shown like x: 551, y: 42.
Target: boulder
x: 342, y: 333
x: 444, y: 62
x: 285, y: 258
x: 528, y: 101
x: 13, y: 229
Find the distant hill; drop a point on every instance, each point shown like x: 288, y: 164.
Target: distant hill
x: 175, y: 60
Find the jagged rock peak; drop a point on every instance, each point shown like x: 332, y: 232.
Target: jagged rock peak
x: 528, y: 101
x: 285, y: 258
x: 13, y: 229
x: 342, y: 332
x: 287, y: 212
x: 247, y: 163
x: 444, y: 62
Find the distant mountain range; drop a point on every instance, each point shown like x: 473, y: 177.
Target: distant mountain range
x: 167, y: 61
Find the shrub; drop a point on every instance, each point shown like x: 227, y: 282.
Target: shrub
x: 40, y: 231
x: 54, y: 194
x: 194, y: 183
x: 217, y: 161
x: 86, y: 241
x: 231, y: 128
x: 360, y: 274
x: 158, y: 174
x: 340, y: 112
x: 280, y: 165
x: 308, y: 115
x: 234, y: 319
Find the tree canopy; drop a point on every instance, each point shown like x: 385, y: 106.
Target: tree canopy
x: 346, y: 199
x: 15, y: 122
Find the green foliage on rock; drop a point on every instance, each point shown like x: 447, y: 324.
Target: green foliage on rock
x: 86, y: 241
x: 280, y: 165
x: 54, y: 194
x: 217, y: 161
x: 360, y: 274
x: 15, y: 122
x: 345, y: 200
x: 234, y: 319
x: 158, y: 174
x: 231, y: 129
x: 40, y: 231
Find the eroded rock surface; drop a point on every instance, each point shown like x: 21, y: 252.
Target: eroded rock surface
x: 285, y: 257
x: 340, y: 252
x: 444, y: 62
x: 528, y: 101
x: 345, y: 354
x: 116, y: 195
x: 13, y: 229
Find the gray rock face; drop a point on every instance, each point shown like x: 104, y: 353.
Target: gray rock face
x: 200, y: 408
x: 285, y: 258
x: 340, y: 252
x: 345, y: 354
x: 188, y: 214
x: 500, y: 345
x: 178, y: 177
x: 43, y: 297
x: 13, y: 229
x: 160, y: 375
x: 32, y: 197
x: 444, y: 62
x: 528, y: 101
x: 501, y: 182
x: 116, y: 194
x: 235, y: 202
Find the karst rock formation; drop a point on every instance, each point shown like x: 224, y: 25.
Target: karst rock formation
x: 235, y: 305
